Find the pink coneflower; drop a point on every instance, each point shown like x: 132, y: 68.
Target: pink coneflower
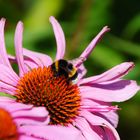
x: 77, y: 110
x: 13, y: 115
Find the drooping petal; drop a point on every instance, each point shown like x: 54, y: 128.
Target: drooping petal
x: 11, y: 105
x: 3, y: 54
x: 104, y: 109
x: 18, y: 48
x: 7, y: 91
x: 104, y: 132
x: 86, y: 130
x: 26, y: 137
x: 77, y: 61
x: 99, y: 130
x: 111, y: 117
x: 101, y: 108
x: 114, y: 91
x: 34, y: 112
x: 99, y: 121
x: 32, y: 120
x: 6, y: 100
x: 11, y: 58
x: 38, y: 58
x: 116, y: 72
x: 92, y: 106
x: 53, y: 132
x: 108, y: 134
x: 29, y: 63
x: 93, y: 43
x: 60, y: 38
x: 25, y: 114
x: 81, y: 71
x: 8, y: 76
x: 6, y: 88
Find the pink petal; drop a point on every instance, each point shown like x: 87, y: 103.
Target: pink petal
x: 29, y: 64
x: 86, y: 130
x: 116, y: 72
x: 114, y: 91
x: 101, y: 108
x: 38, y: 58
x: 6, y: 88
x: 60, y: 38
x: 53, y: 132
x: 32, y: 121
x: 3, y: 54
x: 104, y: 132
x: 18, y: 48
x: 11, y: 58
x: 110, y: 115
x: 7, y: 91
x: 34, y: 112
x: 81, y: 72
x: 99, y: 130
x: 11, y: 105
x: 76, y: 61
x: 25, y: 137
x: 108, y: 134
x: 93, y: 43
x: 6, y: 99
x: 8, y: 76
x: 92, y: 106
x: 98, y: 121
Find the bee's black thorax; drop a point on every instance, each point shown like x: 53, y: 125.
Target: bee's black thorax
x: 63, y: 67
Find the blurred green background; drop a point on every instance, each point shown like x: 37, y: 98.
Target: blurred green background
x: 81, y: 21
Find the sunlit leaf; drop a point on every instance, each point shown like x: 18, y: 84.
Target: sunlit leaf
x: 37, y: 18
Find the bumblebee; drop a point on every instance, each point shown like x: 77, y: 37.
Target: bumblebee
x: 63, y: 67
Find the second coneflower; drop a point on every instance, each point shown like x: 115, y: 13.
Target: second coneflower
x: 14, y: 115
x: 77, y: 110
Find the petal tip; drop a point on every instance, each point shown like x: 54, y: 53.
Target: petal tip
x: 2, y: 19
x: 20, y: 24
x: 2, y: 23
x: 19, y: 28
x: 106, y: 29
x: 131, y: 65
x: 52, y: 18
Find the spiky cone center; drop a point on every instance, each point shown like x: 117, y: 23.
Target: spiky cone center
x: 41, y: 88
x: 8, y: 128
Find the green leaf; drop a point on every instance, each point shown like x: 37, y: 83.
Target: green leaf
x: 123, y: 45
x: 37, y: 19
x: 132, y: 27
x: 106, y: 56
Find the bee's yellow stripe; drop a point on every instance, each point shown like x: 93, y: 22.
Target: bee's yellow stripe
x: 57, y: 65
x: 72, y: 72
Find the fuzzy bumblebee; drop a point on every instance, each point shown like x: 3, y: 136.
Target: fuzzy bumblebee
x: 63, y: 67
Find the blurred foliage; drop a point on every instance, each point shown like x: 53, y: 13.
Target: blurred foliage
x: 81, y: 21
